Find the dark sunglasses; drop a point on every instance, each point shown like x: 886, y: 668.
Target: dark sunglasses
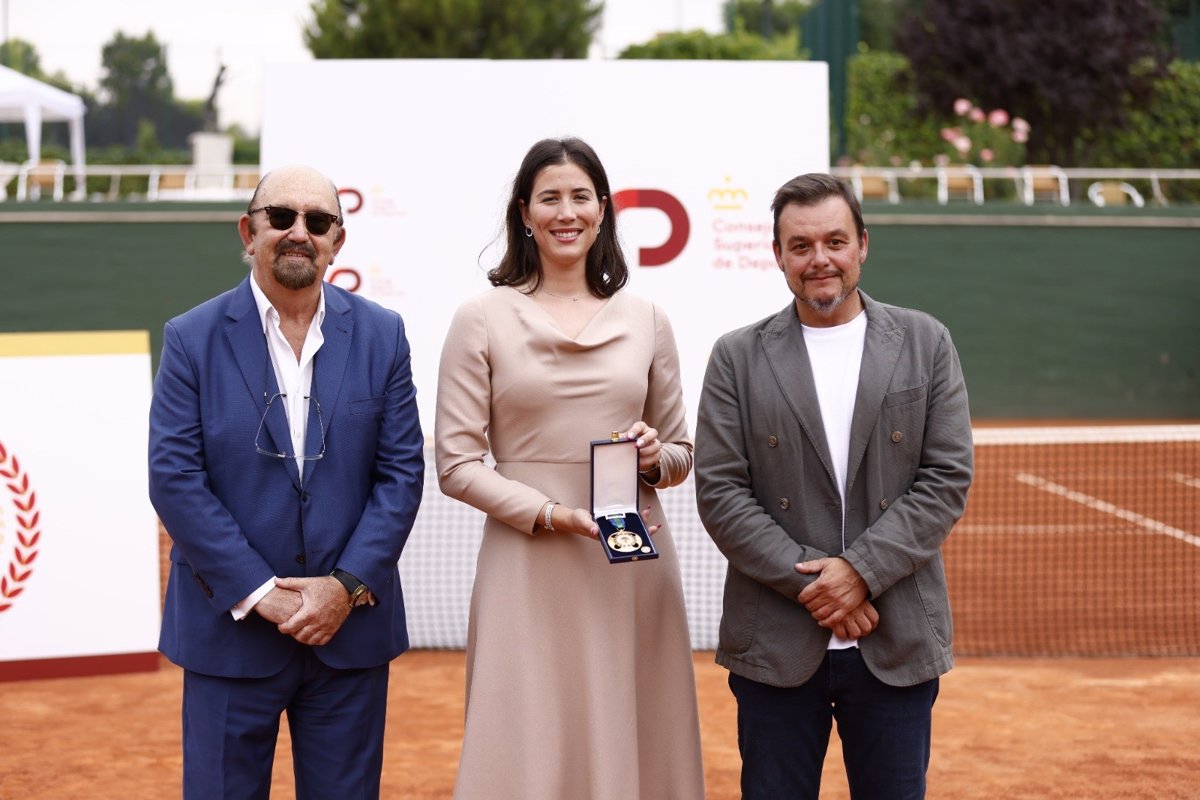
x: 282, y: 219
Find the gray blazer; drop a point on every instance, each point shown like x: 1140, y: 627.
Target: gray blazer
x: 767, y: 494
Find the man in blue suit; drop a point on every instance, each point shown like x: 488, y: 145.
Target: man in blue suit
x: 286, y: 463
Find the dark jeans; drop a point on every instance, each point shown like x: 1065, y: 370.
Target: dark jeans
x: 783, y: 733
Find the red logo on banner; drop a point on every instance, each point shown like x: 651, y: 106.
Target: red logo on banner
x: 355, y: 194
x: 345, y: 277
x: 676, y: 213
x: 24, y: 499
x: 348, y: 278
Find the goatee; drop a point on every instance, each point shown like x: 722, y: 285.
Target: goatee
x: 295, y: 269
x: 826, y: 305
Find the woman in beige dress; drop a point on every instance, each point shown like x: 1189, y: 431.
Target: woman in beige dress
x: 579, y: 672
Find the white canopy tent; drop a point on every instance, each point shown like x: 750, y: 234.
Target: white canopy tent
x: 24, y: 99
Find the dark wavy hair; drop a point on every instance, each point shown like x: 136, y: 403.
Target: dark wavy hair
x: 813, y: 188
x: 521, y: 264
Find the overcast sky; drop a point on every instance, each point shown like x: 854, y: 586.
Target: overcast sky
x: 245, y: 34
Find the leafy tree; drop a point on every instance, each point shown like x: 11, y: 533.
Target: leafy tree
x: 136, y: 84
x: 452, y: 28
x: 1063, y: 65
x: 765, y: 17
x: 736, y: 46
x: 137, y: 95
x: 135, y: 71
x: 877, y: 20
x: 1163, y: 133
x: 22, y: 56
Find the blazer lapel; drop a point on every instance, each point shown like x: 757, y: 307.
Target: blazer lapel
x: 783, y: 343
x: 881, y: 353
x: 244, y: 332
x: 329, y: 370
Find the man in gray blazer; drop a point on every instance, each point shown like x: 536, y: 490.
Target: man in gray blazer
x: 833, y: 456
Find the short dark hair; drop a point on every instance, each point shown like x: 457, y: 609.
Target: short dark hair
x: 812, y: 188
x: 607, y: 271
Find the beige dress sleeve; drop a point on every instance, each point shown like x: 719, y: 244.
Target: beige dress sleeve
x: 463, y: 417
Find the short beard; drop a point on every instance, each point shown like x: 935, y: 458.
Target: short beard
x: 827, y: 306
x: 824, y: 306
x: 292, y: 273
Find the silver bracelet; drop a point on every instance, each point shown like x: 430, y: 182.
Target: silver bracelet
x: 547, y: 523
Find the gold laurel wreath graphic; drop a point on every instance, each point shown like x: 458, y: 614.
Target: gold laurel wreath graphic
x: 25, y: 551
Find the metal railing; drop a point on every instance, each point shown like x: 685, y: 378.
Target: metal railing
x: 1027, y: 185
x: 111, y: 182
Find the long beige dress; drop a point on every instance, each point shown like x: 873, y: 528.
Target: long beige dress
x: 579, y: 672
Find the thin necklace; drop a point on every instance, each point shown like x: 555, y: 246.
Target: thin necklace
x: 574, y: 299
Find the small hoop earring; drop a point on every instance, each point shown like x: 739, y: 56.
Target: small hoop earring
x: 528, y: 232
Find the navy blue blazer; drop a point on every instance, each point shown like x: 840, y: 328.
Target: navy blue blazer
x: 237, y: 517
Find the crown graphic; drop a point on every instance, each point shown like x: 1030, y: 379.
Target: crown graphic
x: 728, y: 198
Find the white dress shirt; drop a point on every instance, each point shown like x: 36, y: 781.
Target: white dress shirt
x: 294, y: 378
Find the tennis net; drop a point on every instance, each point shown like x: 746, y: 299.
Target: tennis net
x: 1080, y: 541
x: 1077, y: 541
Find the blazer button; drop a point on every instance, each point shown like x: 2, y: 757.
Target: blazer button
x: 897, y: 436
x: 772, y: 441
x: 883, y: 504
x: 300, y: 558
x: 784, y: 503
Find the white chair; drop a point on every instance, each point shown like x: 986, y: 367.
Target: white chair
x: 1116, y: 193
x: 170, y: 184
x: 1046, y: 181
x: 879, y: 185
x: 36, y: 176
x: 959, y: 180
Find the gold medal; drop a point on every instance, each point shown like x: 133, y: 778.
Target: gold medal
x: 624, y: 541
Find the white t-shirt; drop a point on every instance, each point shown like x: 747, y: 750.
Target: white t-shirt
x: 836, y: 357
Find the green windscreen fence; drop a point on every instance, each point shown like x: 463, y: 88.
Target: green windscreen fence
x: 1052, y: 322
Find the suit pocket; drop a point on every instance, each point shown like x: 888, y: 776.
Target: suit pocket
x: 906, y: 396
x: 739, y: 617
x: 369, y: 409
x: 930, y: 582
x: 902, y: 430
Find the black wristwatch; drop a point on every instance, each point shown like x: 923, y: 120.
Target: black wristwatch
x: 354, y: 586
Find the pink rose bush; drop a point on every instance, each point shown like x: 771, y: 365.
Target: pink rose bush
x: 985, y: 138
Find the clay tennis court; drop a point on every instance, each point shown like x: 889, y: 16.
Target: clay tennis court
x: 1003, y: 729
x: 1090, y: 558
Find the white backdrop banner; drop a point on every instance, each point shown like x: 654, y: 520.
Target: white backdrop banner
x: 78, y: 536
x: 425, y: 152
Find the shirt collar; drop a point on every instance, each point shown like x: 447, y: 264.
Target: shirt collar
x: 268, y: 314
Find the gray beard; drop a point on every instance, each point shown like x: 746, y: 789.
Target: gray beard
x: 294, y: 274
x: 826, y: 306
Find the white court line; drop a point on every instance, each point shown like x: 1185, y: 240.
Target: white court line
x: 1108, y: 508
x: 1029, y: 530
x: 1186, y: 480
